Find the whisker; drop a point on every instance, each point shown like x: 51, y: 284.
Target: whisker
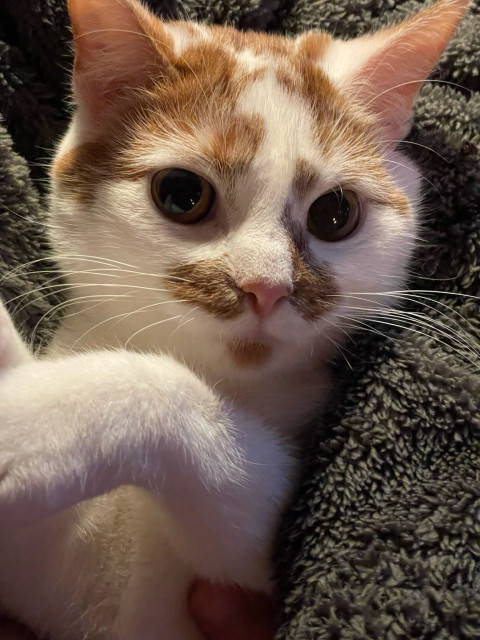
x: 460, y: 337
x: 359, y: 324
x: 419, y: 82
x: 181, y: 324
x: 70, y: 302
x: 62, y: 288
x: 153, y: 324
x: 102, y: 260
x: 421, y: 176
x: 120, y: 317
x: 409, y: 291
x: 424, y: 146
x: 416, y: 299
x: 409, y: 327
x: 55, y: 309
x: 427, y: 322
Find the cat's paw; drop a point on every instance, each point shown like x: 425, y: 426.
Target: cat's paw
x: 32, y: 467
x: 27, y: 488
x: 14, y: 494
x: 14, y: 501
x: 12, y: 349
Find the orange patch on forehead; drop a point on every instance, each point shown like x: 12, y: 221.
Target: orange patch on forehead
x: 335, y: 119
x: 254, y: 41
x: 234, y: 144
x: 214, y: 63
x: 199, y: 87
x: 313, y: 45
x: 302, y: 76
x: 304, y: 178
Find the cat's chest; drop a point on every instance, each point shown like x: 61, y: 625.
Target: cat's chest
x: 287, y: 403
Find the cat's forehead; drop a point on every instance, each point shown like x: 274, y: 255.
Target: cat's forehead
x: 231, y: 104
x: 250, y: 46
x: 233, y: 99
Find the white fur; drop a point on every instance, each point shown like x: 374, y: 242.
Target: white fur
x: 78, y: 426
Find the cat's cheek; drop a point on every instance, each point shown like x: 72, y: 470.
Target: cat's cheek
x: 374, y: 260
x: 406, y: 175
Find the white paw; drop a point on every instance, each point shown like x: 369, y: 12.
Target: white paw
x: 14, y: 495
x: 15, y: 490
x: 27, y: 493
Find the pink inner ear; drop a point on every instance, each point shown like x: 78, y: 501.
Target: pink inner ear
x: 396, y: 62
x: 114, y: 50
x: 388, y: 84
x: 102, y: 25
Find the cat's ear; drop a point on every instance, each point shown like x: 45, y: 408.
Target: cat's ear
x: 385, y: 70
x: 119, y: 45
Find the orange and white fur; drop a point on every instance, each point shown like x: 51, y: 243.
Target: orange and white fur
x: 154, y: 441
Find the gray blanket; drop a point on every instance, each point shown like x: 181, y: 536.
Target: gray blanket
x: 382, y: 539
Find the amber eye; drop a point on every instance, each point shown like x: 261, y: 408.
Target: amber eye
x: 181, y: 195
x: 334, y: 216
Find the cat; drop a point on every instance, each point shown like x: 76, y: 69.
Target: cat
x: 215, y: 197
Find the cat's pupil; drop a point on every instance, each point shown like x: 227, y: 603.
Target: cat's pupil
x: 180, y: 191
x: 334, y: 216
x: 181, y: 195
x: 340, y: 209
x: 340, y: 217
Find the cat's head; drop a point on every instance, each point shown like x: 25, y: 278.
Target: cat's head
x: 237, y: 197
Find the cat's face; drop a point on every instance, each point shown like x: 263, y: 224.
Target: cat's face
x: 231, y: 192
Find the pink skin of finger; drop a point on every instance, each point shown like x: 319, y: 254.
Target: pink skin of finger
x: 230, y: 613
x: 11, y: 631
x: 221, y: 613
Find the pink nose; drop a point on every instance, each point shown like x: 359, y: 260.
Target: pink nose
x: 264, y: 297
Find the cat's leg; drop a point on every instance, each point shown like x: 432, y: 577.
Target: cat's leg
x: 77, y: 427
x: 211, y: 481
x: 103, y: 570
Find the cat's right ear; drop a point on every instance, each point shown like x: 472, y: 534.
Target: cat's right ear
x: 119, y: 45
x: 384, y: 71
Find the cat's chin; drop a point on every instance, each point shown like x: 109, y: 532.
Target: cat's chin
x: 246, y: 352
x: 253, y: 348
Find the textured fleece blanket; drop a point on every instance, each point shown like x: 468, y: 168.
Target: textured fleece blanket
x: 382, y: 538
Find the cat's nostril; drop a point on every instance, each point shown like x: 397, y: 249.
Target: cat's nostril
x: 264, y: 297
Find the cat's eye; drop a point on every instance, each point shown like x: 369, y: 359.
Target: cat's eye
x: 334, y: 216
x: 181, y: 195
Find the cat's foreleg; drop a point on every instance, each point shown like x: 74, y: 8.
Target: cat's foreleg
x: 76, y: 427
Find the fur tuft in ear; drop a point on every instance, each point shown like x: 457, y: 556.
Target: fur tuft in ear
x: 385, y: 70
x: 119, y: 45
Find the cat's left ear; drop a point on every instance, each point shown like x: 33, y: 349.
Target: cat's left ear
x: 385, y: 70
x: 119, y: 46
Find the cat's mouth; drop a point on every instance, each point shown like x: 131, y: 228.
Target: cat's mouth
x: 251, y: 348
x: 247, y: 352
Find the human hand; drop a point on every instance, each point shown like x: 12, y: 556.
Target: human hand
x: 221, y: 613
x: 230, y: 613
x: 11, y: 631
